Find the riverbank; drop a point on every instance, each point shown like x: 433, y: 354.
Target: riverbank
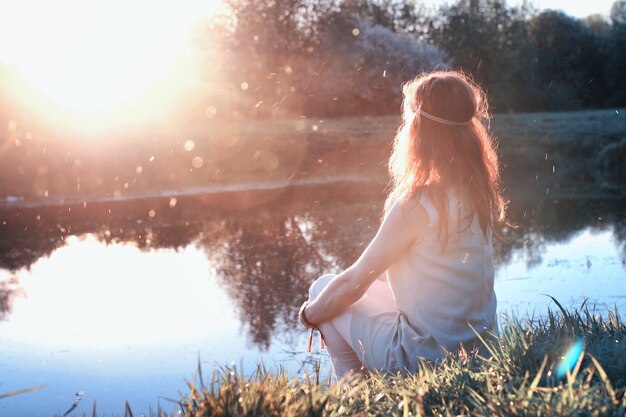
x: 560, y: 155
x: 568, y: 363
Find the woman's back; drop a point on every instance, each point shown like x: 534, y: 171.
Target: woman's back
x: 443, y: 287
x: 437, y: 254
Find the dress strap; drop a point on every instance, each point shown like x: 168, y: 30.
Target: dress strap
x: 433, y: 215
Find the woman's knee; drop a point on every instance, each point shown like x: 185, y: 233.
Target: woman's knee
x: 319, y: 284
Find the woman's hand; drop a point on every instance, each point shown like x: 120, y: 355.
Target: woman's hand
x: 404, y: 224
x: 302, y: 316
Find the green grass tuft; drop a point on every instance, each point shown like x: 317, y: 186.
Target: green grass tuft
x: 516, y: 377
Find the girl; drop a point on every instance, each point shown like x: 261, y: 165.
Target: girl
x: 424, y: 285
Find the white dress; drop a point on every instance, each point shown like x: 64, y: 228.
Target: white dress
x: 431, y: 298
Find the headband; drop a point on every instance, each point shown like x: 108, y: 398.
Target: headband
x: 440, y: 120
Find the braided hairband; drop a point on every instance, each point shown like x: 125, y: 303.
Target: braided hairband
x: 440, y: 120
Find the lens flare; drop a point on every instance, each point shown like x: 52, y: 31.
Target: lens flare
x: 570, y: 358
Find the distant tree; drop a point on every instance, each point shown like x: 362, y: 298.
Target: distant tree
x: 597, y: 24
x: 616, y: 51
x: 490, y: 40
x: 362, y: 66
x: 344, y: 57
x: 568, y: 62
x: 469, y: 32
x: 260, y: 48
x: 513, y: 85
x: 408, y: 16
x: 301, y: 57
x: 618, y: 12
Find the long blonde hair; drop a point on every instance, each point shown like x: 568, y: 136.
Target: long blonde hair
x: 430, y: 156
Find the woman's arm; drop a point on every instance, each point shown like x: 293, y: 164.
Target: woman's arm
x: 404, y: 224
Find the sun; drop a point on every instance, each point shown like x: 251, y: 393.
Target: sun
x: 88, y: 56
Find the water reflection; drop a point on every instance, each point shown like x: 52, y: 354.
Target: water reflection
x: 262, y: 256
x: 542, y: 222
x: 87, y: 294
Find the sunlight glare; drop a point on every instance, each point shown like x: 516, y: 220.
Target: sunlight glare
x: 88, y: 56
x: 89, y: 294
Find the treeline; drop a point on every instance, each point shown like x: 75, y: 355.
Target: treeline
x: 336, y: 58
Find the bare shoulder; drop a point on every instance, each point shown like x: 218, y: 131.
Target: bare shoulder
x: 411, y: 210
x: 408, y: 217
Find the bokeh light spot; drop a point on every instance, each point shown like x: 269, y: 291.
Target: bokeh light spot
x: 210, y: 112
x: 189, y: 145
x: 197, y: 162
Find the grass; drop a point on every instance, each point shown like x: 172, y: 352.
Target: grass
x: 517, y: 376
x: 21, y: 391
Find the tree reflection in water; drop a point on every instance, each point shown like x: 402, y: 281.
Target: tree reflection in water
x: 554, y: 221
x: 268, y: 261
x: 267, y: 254
x: 9, y: 289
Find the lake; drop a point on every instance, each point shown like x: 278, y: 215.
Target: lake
x: 122, y: 299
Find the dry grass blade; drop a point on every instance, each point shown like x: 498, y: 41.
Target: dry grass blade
x: 533, y: 385
x: 22, y: 391
x: 604, y: 377
x: 483, y: 341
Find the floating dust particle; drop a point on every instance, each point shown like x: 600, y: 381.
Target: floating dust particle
x: 315, y: 128
x: 356, y: 32
x: 197, y: 162
x: 300, y: 125
x: 244, y: 86
x: 266, y: 160
x: 228, y: 141
x: 288, y: 70
x: 189, y: 145
x: 173, y: 202
x: 139, y: 169
x: 210, y: 112
x: 152, y: 213
x: 151, y: 158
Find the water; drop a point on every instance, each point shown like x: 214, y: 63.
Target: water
x: 122, y: 300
